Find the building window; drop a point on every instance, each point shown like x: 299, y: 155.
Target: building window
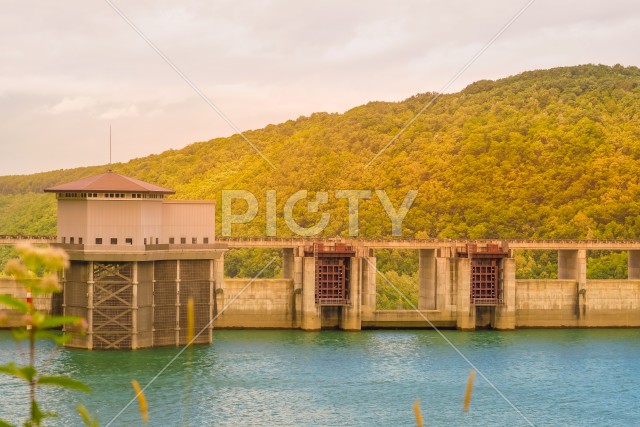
x: 80, y: 240
x: 64, y: 240
x: 114, y: 241
x: 171, y: 240
x: 194, y: 240
x: 128, y: 241
x: 145, y: 240
x: 71, y: 240
x: 183, y: 240
x: 205, y: 240
x: 98, y: 240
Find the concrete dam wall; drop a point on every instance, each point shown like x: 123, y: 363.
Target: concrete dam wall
x: 272, y: 303
x: 139, y: 299
x: 559, y: 303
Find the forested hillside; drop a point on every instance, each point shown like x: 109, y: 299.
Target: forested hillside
x: 543, y: 154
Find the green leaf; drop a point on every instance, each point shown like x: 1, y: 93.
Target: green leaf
x: 26, y: 372
x: 64, y: 382
x: 14, y: 303
x: 86, y: 417
x: 3, y: 423
x: 36, y: 413
x: 57, y: 321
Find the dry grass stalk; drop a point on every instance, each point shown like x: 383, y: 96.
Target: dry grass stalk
x: 142, y: 401
x: 468, y: 391
x: 416, y: 410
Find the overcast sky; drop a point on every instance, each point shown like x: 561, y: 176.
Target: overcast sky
x: 71, y: 68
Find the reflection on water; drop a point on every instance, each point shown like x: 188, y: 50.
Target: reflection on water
x: 555, y: 377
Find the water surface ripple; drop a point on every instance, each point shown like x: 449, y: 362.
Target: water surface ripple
x: 330, y: 378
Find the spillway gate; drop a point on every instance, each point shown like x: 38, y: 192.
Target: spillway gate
x: 486, y: 278
x: 333, y: 273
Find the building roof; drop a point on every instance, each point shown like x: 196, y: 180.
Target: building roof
x: 109, y: 181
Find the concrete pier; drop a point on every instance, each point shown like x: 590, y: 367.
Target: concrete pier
x: 311, y: 312
x: 368, y: 278
x: 288, y: 263
x: 350, y: 315
x: 505, y: 314
x: 634, y: 265
x: 427, y: 279
x: 466, y: 313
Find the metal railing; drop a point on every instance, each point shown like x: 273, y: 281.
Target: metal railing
x: 414, y: 243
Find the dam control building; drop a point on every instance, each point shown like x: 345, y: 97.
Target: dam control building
x: 135, y: 260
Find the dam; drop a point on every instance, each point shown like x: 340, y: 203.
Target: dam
x: 137, y: 258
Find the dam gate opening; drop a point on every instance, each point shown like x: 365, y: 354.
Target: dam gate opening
x: 333, y: 273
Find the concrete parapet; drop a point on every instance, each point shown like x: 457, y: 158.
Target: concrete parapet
x: 257, y: 303
x: 546, y: 303
x: 409, y: 319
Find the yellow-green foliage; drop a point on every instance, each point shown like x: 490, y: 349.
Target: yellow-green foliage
x: 400, y: 281
x: 544, y: 154
x: 394, y: 289
x: 29, y: 214
x: 246, y: 262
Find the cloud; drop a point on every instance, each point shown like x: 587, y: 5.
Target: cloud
x: 116, y: 113
x: 67, y: 105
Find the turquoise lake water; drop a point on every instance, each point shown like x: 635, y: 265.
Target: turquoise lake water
x: 371, y: 378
